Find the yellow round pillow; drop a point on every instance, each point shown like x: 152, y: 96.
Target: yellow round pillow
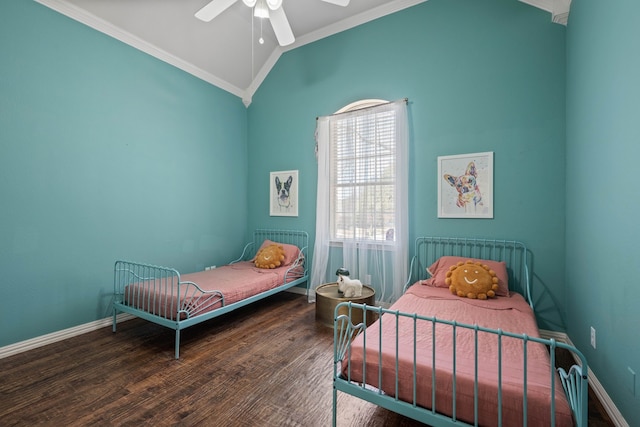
x: 472, y: 279
x: 270, y: 256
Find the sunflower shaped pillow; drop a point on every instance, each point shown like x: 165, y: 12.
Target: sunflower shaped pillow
x: 472, y: 279
x: 270, y: 256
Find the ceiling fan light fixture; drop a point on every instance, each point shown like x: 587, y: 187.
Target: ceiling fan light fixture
x: 249, y: 3
x: 261, y: 10
x: 274, y: 4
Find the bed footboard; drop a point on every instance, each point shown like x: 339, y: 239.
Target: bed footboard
x: 575, y: 385
x: 136, y: 285
x: 362, y: 375
x: 136, y: 291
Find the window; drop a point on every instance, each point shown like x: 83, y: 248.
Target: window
x: 361, y: 210
x: 362, y: 173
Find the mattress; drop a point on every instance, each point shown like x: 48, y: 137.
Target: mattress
x: 235, y: 282
x: 510, y: 313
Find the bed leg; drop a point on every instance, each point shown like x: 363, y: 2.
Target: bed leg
x: 115, y: 314
x: 335, y: 406
x: 177, y: 343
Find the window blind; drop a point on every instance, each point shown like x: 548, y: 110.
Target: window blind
x: 363, y: 159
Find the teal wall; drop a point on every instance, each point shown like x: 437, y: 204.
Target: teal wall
x: 480, y: 76
x: 603, y: 147
x: 105, y: 153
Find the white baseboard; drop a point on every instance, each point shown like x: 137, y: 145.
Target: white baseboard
x: 297, y: 290
x: 53, y: 337
x: 596, y: 386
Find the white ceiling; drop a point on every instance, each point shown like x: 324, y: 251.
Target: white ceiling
x: 225, y: 52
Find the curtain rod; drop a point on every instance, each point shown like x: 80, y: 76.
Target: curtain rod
x: 405, y: 100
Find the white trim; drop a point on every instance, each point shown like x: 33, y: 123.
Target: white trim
x: 559, y: 9
x: 595, y: 385
x: 297, y: 290
x: 546, y: 5
x: 53, y: 337
x: 558, y: 336
x: 345, y: 24
x: 118, y: 33
x: 354, y: 21
x: 74, y: 12
x: 560, y: 12
x: 262, y: 74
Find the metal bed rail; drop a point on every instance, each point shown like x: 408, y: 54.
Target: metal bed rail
x: 573, y: 383
x: 157, y: 294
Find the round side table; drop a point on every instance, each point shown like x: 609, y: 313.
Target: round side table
x: 328, y: 297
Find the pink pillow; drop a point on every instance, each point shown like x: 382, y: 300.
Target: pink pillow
x: 438, y: 271
x: 291, y: 252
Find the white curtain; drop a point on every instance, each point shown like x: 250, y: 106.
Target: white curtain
x: 321, y: 246
x: 381, y: 264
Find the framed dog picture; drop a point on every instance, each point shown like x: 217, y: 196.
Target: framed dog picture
x: 283, y: 193
x: 465, y: 186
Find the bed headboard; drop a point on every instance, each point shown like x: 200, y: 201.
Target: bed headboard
x: 291, y: 237
x: 512, y: 252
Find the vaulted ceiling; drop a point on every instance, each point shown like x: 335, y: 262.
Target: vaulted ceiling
x: 225, y: 51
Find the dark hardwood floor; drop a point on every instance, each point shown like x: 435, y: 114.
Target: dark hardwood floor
x: 268, y: 364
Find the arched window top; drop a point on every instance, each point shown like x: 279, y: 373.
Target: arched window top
x: 363, y: 103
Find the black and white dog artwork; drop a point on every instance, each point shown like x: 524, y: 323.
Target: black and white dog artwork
x: 283, y: 190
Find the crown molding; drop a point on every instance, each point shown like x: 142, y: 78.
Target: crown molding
x: 559, y: 9
x: 90, y: 20
x: 261, y: 75
x: 354, y: 21
x: 327, y: 31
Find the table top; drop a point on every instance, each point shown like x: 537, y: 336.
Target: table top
x: 330, y: 290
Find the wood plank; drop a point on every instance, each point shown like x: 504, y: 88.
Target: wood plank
x: 268, y: 364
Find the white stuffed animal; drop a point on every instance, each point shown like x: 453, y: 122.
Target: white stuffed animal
x: 349, y: 287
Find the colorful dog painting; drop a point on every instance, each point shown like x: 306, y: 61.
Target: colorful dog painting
x: 469, y: 195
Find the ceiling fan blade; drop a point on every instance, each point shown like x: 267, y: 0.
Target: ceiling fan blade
x: 338, y: 2
x: 281, y: 27
x: 213, y: 9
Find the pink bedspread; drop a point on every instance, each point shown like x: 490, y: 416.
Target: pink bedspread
x: 235, y: 282
x: 511, y: 314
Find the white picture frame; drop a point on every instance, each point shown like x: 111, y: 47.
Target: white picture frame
x: 283, y: 193
x: 465, y: 185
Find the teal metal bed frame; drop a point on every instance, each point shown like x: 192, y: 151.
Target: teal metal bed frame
x: 192, y: 304
x: 427, y: 250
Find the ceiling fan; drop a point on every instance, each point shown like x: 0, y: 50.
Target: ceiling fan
x: 271, y: 9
